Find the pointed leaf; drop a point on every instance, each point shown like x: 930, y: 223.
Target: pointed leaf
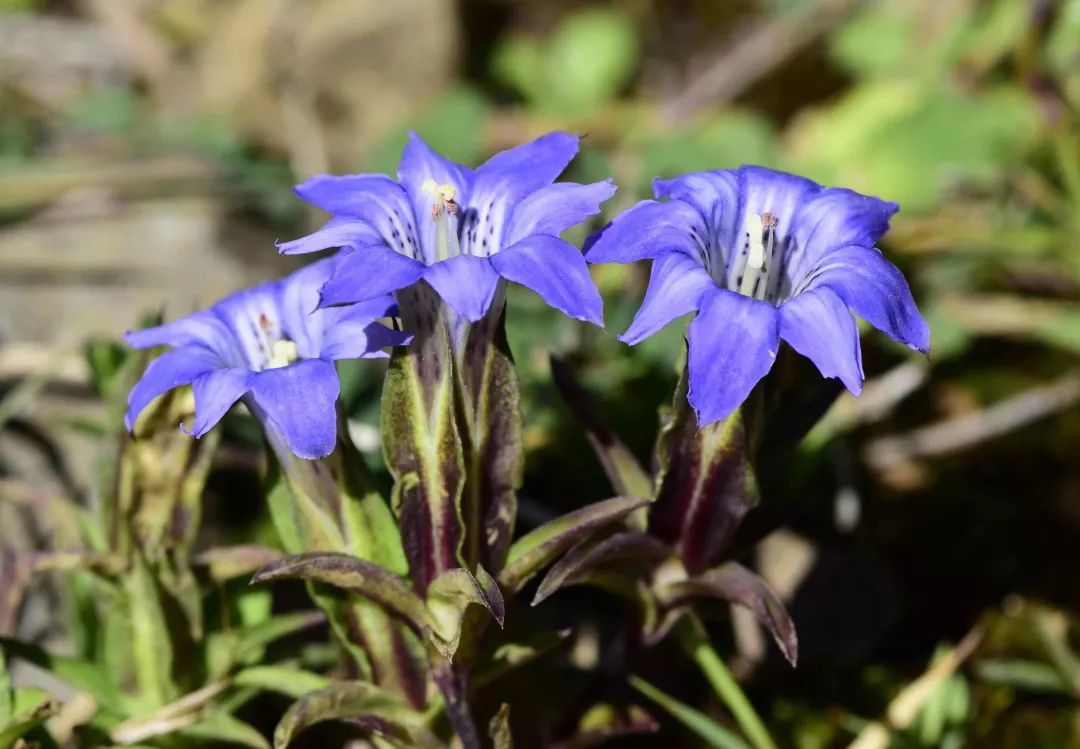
x: 499, y: 729
x: 603, y: 723
x: 623, y: 470
x: 734, y: 583
x: 27, y: 719
x: 223, y: 728
x: 224, y: 563
x: 695, y: 721
x: 539, y: 547
x: 705, y: 483
x: 631, y: 550
x: 421, y: 440
x: 293, y: 682
x: 82, y: 675
x: 449, y: 597
x: 355, y: 701
x: 354, y: 575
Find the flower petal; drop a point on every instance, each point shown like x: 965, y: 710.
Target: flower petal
x: 556, y: 271
x: 733, y: 344
x: 834, y: 218
x: 645, y: 231
x: 300, y: 401
x: 675, y: 288
x: 715, y: 194
x: 875, y: 290
x: 337, y: 232
x: 200, y: 328
x: 172, y: 369
x: 819, y: 326
x: 353, y: 339
x: 556, y: 208
x: 215, y: 393
x: 466, y: 282
x: 369, y: 272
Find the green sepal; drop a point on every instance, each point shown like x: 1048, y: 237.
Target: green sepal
x: 706, y: 481
x: 490, y: 403
x: 422, y: 444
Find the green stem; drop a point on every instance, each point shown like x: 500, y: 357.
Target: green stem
x: 692, y: 637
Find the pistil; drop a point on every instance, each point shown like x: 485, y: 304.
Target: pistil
x: 761, y: 236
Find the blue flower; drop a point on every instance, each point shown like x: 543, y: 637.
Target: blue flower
x: 762, y: 256
x: 269, y: 346
x: 459, y: 229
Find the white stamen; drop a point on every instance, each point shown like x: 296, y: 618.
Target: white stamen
x: 755, y: 228
x: 442, y: 211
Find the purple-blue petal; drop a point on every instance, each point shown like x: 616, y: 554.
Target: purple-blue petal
x: 300, y: 401
x: 555, y: 208
x: 337, y: 232
x: 466, y: 282
x: 819, y: 326
x: 215, y: 393
x: 647, y: 230
x: 512, y: 174
x: 875, y: 290
x: 714, y: 194
x: 675, y: 288
x: 172, y: 369
x: 367, y: 273
x: 556, y: 271
x: 200, y: 328
x: 733, y: 343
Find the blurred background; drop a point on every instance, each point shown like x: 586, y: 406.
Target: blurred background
x: 926, y: 535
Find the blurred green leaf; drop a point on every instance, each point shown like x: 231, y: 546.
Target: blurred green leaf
x: 1024, y: 675
x: 220, y: 727
x: 294, y: 682
x: 694, y: 720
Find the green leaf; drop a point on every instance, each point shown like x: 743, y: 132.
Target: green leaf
x: 448, y: 599
x: 224, y: 728
x: 539, y: 547
x: 6, y: 697
x: 589, y: 59
x: 499, y: 729
x: 31, y: 709
x: 698, y: 722
x: 510, y: 655
x: 362, y: 703
x: 354, y: 575
x: 294, y: 682
x: 1025, y: 675
x: 223, y: 563
x: 82, y: 675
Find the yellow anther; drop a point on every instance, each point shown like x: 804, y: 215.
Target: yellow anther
x: 282, y: 354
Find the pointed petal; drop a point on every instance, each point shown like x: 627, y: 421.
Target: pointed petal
x: 819, y: 326
x: 201, y: 328
x: 556, y: 208
x: 675, y: 288
x: 215, y: 393
x: 337, y: 232
x: 733, y: 343
x: 466, y: 282
x: 300, y: 402
x: 170, y: 370
x: 714, y: 194
x: 556, y: 271
x: 355, y: 340
x: 369, y: 272
x: 875, y: 290
x: 646, y: 231
x: 836, y: 217
x: 420, y: 163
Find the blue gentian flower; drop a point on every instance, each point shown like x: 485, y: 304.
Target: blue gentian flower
x: 761, y: 256
x: 459, y: 229
x: 271, y: 347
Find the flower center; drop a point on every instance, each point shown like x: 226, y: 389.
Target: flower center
x: 444, y: 213
x: 760, y: 258
x: 277, y: 351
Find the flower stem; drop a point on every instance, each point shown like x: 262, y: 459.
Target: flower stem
x: 692, y: 637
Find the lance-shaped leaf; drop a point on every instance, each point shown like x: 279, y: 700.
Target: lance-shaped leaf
x: 734, y: 583
x: 223, y: 563
x: 82, y: 675
x: 421, y: 441
x: 623, y: 470
x: 449, y: 597
x: 220, y: 727
x: 354, y: 575
x: 631, y: 551
x: 363, y: 705
x: 705, y: 483
x: 30, y: 708
x: 604, y: 723
x: 293, y: 682
x: 499, y: 729
x: 490, y: 399
x: 535, y: 550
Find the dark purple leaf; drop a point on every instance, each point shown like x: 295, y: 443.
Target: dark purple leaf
x: 631, y: 550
